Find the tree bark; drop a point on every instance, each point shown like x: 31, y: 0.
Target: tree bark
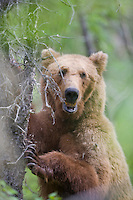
x: 16, y: 88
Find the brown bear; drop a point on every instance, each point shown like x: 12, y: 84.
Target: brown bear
x: 76, y: 146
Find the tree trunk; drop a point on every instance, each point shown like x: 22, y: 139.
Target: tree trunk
x: 16, y: 88
x: 90, y: 48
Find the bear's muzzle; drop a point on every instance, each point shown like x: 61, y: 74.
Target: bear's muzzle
x: 71, y: 96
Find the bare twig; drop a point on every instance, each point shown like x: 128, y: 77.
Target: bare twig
x: 71, y: 6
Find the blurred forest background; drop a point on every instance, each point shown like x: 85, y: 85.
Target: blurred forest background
x: 81, y: 27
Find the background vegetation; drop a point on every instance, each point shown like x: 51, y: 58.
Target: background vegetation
x: 35, y: 25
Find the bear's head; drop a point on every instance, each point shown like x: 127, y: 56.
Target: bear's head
x: 73, y: 84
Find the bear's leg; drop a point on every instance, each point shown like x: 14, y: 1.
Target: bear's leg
x: 74, y: 175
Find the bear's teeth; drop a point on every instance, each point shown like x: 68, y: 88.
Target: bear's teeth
x: 70, y: 108
x: 70, y: 104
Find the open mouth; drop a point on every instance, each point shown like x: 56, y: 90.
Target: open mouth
x: 70, y: 108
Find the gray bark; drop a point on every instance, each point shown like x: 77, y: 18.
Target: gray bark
x: 15, y: 98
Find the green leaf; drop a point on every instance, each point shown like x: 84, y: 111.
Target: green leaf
x: 54, y: 196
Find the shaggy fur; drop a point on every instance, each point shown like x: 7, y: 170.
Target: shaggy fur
x: 80, y: 151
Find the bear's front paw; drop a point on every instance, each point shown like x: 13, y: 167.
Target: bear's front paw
x: 33, y: 161
x: 52, y: 163
x: 39, y: 165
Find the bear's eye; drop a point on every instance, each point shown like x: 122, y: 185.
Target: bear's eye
x: 62, y: 72
x: 82, y: 75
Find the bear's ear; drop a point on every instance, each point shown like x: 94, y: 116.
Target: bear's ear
x: 48, y: 56
x: 100, y: 60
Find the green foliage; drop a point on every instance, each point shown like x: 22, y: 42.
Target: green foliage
x: 54, y: 196
x: 6, y: 192
x: 31, y: 24
x: 123, y: 124
x: 30, y: 187
x: 119, y: 102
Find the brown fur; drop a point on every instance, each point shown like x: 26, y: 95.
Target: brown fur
x: 80, y: 151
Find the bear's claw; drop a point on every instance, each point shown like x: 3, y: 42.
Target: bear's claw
x: 32, y: 158
x: 29, y: 158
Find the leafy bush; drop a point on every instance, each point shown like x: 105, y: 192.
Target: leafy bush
x: 6, y: 192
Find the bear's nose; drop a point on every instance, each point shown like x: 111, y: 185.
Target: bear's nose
x: 71, y: 95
